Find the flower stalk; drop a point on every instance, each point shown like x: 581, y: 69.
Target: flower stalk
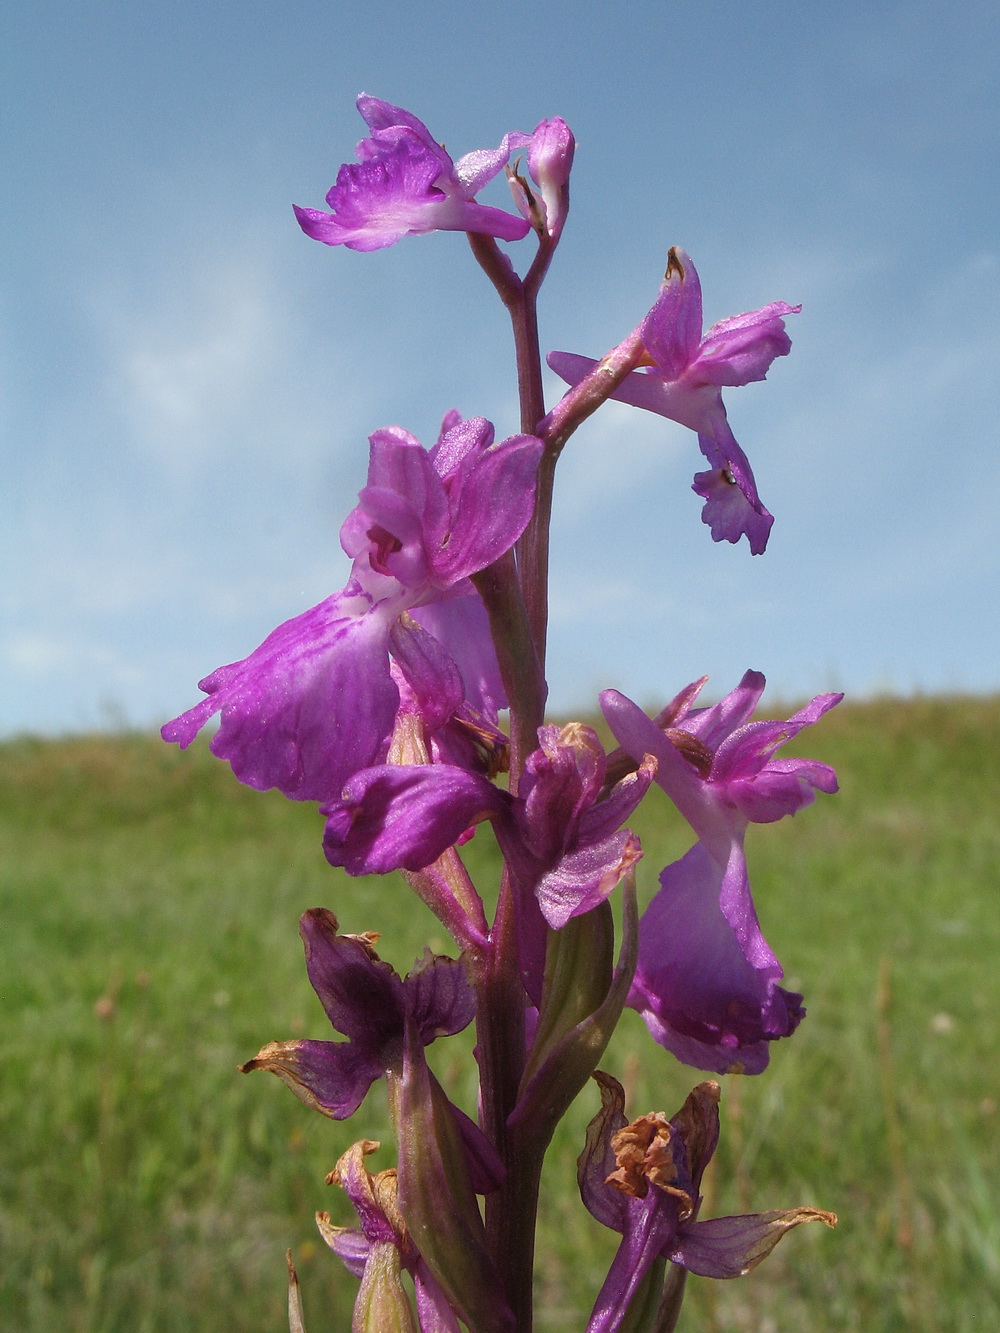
x: 385, y: 706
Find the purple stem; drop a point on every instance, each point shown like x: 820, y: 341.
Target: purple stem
x: 515, y: 592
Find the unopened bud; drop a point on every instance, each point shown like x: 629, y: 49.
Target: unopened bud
x: 550, y: 156
x: 550, y: 159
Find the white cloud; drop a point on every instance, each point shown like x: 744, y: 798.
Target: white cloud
x: 187, y: 387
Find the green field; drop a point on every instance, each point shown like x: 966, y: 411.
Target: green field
x: 149, y: 909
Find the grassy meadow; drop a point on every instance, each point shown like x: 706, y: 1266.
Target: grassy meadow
x: 149, y: 945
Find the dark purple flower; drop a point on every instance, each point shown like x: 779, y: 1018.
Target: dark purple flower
x: 644, y: 1179
x: 317, y: 700
x: 404, y: 183
x: 684, y: 379
x: 706, y: 982
x: 369, y: 1004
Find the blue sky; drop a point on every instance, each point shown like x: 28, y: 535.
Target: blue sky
x: 188, y: 383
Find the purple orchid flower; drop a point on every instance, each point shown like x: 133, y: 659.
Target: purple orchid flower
x: 405, y: 184
x: 369, y: 1004
x: 683, y: 381
x: 558, y: 836
x: 317, y: 700
x: 564, y: 845
x: 380, y: 1249
x: 643, y: 1180
x: 706, y: 981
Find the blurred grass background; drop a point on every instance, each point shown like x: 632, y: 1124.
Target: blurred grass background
x: 149, y: 945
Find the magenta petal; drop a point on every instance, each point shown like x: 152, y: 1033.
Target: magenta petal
x: 429, y: 670
x: 492, y: 498
x: 734, y: 508
x: 379, y: 116
x: 729, y: 514
x: 387, y: 531
x: 462, y: 627
x: 306, y: 709
x: 714, y: 725
x: 639, y: 735
x: 439, y: 997
x: 607, y: 815
x: 671, y: 331
x: 362, y: 995
x: 459, y: 440
x: 597, y: 1160
x: 336, y: 1074
x: 784, y: 787
x: 707, y: 995
x: 748, y: 750
x: 398, y: 462
x: 397, y: 817
x: 585, y: 877
x: 476, y: 169
x: 726, y: 1247
x: 739, y: 350
x: 351, y: 1247
x: 562, y: 779
x: 353, y: 1177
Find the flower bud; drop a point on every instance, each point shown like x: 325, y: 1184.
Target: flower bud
x: 550, y: 159
x: 382, y: 1304
x: 550, y: 156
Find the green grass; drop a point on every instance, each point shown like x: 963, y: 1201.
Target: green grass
x: 149, y: 909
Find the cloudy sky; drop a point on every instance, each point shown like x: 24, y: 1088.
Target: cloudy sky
x: 188, y: 382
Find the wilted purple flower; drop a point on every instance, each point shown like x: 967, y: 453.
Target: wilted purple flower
x: 317, y: 700
x: 644, y: 1179
x: 706, y: 982
x: 684, y: 381
x: 369, y: 1004
x: 404, y: 183
x: 380, y: 1249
